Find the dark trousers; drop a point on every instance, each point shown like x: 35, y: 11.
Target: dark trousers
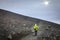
x: 35, y: 32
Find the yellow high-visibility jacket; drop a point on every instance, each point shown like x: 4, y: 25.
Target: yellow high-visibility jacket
x: 35, y: 27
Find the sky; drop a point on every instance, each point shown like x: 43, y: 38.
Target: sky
x: 48, y: 10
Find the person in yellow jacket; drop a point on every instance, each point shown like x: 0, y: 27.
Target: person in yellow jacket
x: 35, y: 29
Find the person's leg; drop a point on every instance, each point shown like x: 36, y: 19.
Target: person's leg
x: 35, y: 33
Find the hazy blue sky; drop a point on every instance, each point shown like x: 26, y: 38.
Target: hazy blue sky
x: 34, y: 8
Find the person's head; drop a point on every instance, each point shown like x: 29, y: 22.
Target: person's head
x: 35, y: 24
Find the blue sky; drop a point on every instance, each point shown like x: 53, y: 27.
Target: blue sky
x: 34, y: 8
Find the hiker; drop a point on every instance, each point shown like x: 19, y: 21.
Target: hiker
x: 35, y: 27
